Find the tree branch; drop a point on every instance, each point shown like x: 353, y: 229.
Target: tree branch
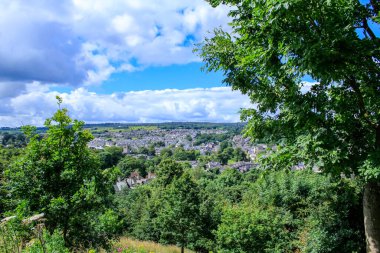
x: 364, y: 113
x: 375, y: 5
x: 368, y: 29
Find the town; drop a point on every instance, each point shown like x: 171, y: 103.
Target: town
x: 214, y: 148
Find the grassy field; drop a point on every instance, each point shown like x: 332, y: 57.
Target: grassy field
x: 134, y: 246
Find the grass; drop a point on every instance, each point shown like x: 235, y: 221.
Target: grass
x: 134, y: 246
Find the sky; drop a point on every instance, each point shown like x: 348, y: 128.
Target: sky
x: 110, y: 61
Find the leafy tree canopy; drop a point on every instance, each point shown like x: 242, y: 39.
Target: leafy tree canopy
x: 335, y: 122
x: 61, y: 177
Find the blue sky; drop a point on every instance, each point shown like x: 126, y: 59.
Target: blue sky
x: 186, y: 76
x: 111, y: 61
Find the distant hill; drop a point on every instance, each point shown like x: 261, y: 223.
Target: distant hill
x: 165, y: 125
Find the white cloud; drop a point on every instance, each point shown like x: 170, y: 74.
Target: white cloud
x: 306, y: 86
x: 85, y: 41
x: 219, y: 104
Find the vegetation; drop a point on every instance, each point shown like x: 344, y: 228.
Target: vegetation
x: 334, y: 123
x: 110, y: 156
x: 227, y: 153
x: 60, y: 177
x: 16, y: 140
x: 129, y: 164
x: 57, y: 195
x: 285, y: 211
x: 207, y: 138
x: 262, y: 210
x: 128, y: 245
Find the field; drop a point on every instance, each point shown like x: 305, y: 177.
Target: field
x: 120, y: 129
x: 134, y: 246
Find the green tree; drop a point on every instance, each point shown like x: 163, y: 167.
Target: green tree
x: 298, y: 211
x: 130, y: 164
x: 168, y: 170
x: 180, y: 154
x: 7, y: 155
x: 61, y: 177
x: 179, y: 218
x: 166, y: 152
x: 334, y: 123
x: 110, y: 156
x: 240, y: 155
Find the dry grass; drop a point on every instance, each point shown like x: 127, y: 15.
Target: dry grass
x: 148, y: 246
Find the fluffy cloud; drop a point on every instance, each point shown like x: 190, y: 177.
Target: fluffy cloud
x: 85, y: 41
x: 211, y: 105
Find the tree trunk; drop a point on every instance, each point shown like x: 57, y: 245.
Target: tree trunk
x: 371, y: 211
x: 182, y: 249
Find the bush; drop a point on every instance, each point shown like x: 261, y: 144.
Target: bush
x: 47, y: 243
x: 294, y: 211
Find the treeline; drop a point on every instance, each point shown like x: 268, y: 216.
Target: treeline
x: 13, y: 139
x: 259, y: 211
x: 170, y: 125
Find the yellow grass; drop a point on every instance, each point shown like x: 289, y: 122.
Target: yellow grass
x: 149, y: 246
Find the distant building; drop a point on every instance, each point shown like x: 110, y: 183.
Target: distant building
x: 132, y: 181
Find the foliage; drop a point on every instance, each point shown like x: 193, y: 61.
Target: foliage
x: 128, y: 245
x: 168, y: 171
x: 227, y: 153
x: 150, y: 150
x: 207, y: 138
x: 47, y: 243
x: 19, y: 234
x: 180, y: 154
x: 61, y: 177
x: 167, y: 210
x: 259, y: 211
x: 13, y: 234
x: 332, y: 123
x: 130, y: 164
x: 137, y: 208
x: 179, y: 218
x: 110, y: 156
x: 294, y: 211
x: 12, y: 139
x: 7, y: 155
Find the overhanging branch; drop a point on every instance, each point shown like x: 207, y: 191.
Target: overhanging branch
x: 368, y: 29
x: 364, y: 113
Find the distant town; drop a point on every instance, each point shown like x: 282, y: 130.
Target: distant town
x: 212, y: 146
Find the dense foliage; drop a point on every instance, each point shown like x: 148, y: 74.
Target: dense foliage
x: 60, y: 177
x: 332, y: 123
x: 207, y: 138
x: 16, y: 140
x: 253, y: 212
x: 262, y: 210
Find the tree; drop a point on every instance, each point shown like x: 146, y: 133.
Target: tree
x: 240, y: 155
x: 168, y: 170
x: 179, y: 219
x: 130, y: 164
x: 61, y: 177
x: 7, y: 155
x: 110, y: 156
x: 333, y: 123
x: 297, y: 211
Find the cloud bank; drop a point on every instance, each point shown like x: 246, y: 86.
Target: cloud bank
x: 83, y: 42
x: 36, y: 103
